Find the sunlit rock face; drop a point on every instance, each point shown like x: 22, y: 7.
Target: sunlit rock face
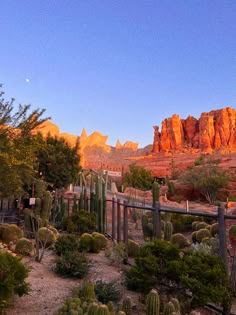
x: 212, y: 131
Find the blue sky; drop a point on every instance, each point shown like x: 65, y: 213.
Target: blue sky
x: 119, y: 66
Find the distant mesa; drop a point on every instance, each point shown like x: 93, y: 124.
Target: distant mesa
x: 212, y: 131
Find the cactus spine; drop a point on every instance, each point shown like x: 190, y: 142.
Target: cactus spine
x: 153, y: 303
x: 169, y: 309
x: 168, y: 230
x: 103, y: 310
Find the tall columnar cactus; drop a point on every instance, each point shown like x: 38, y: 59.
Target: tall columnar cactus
x: 168, y: 231
x: 155, y: 193
x: 92, y: 308
x: 46, y: 207
x: 153, y: 303
x: 169, y: 309
x: 89, y: 293
x: 176, y: 304
x: 126, y: 306
x: 110, y: 306
x: 103, y: 310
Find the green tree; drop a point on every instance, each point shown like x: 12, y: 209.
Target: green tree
x: 207, y: 177
x: 58, y: 163
x: 16, y: 145
x: 138, y: 177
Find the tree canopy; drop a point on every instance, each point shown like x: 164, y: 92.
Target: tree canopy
x: 58, y: 163
x: 206, y: 176
x: 138, y: 177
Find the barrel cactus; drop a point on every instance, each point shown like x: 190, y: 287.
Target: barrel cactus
x: 201, y: 225
x: 176, y: 304
x: 92, y: 308
x: 11, y: 233
x: 169, y: 309
x: 201, y: 234
x: 89, y: 293
x: 180, y: 240
x: 153, y: 303
x: 126, y: 306
x: 214, y: 229
x: 24, y: 246
x: 133, y: 248
x: 103, y: 310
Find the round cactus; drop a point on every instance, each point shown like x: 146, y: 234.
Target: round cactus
x: 24, y: 246
x: 180, y: 240
x: 214, y: 229
x: 201, y: 234
x: 153, y: 303
x: 87, y: 242
x: 89, y: 293
x: 194, y: 237
x: 103, y: 310
x: 11, y: 233
x: 168, y: 231
x: 110, y: 306
x: 194, y: 223
x: 121, y: 313
x: 169, y: 309
x: 92, y: 308
x: 100, y: 240
x: 201, y: 225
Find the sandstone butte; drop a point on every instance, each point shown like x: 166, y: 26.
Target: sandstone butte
x: 179, y: 140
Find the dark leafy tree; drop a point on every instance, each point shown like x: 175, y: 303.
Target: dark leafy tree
x: 207, y: 177
x: 138, y: 177
x: 58, y: 163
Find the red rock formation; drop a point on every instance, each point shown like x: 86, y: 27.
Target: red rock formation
x: 213, y: 130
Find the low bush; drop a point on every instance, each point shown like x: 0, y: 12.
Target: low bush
x: 73, y: 264
x: 65, y: 243
x: 81, y: 222
x: 107, y: 291
x: 24, y: 246
x: 13, y: 274
x: 11, y: 233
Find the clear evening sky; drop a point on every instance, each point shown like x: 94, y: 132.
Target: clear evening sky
x: 119, y: 66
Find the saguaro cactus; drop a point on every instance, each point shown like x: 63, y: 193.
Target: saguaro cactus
x: 153, y: 303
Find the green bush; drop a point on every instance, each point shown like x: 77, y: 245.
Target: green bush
x: 65, y: 243
x: 202, y: 233
x: 201, y: 274
x: 107, y: 291
x: 180, y: 240
x: 12, y: 279
x: 11, y: 233
x: 24, y: 246
x: 73, y: 264
x: 81, y: 222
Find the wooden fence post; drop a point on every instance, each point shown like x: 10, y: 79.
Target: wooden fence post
x: 113, y: 220
x: 158, y: 220
x: 118, y: 221
x: 222, y: 236
x: 125, y: 224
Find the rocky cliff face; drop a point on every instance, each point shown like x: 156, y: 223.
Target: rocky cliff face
x: 213, y: 130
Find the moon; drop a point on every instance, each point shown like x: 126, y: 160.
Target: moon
x: 27, y: 80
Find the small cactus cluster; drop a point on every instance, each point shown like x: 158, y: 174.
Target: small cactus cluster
x: 180, y: 240
x: 86, y: 303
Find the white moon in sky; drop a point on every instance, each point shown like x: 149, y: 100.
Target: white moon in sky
x: 27, y: 80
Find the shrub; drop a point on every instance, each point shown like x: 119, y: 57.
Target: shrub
x: 81, y: 222
x: 24, y: 246
x: 133, y: 248
x: 66, y: 243
x: 46, y: 236
x: 12, y: 279
x: 201, y: 234
x: 100, y: 240
x: 180, y: 240
x: 72, y: 263
x: 11, y: 233
x: 106, y: 292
